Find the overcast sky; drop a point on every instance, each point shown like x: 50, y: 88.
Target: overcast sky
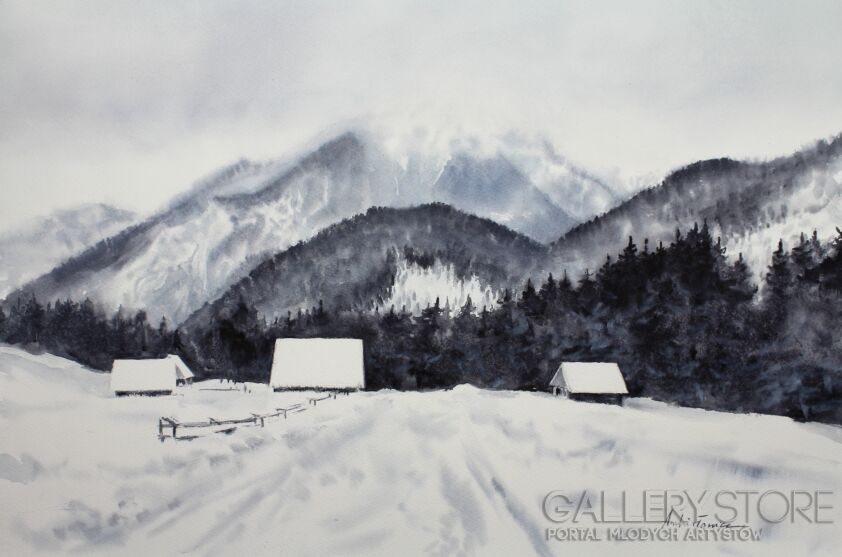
x: 130, y: 102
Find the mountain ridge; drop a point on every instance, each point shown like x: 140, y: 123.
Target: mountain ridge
x: 189, y: 253
x: 352, y: 263
x: 750, y: 205
x: 57, y: 237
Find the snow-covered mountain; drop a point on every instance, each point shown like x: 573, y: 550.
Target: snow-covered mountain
x: 213, y: 235
x: 42, y: 243
x: 750, y: 205
x: 496, y: 189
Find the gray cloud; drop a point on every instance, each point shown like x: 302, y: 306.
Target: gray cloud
x: 129, y: 102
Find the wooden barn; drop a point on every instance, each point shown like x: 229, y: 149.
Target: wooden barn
x: 320, y: 364
x: 149, y: 377
x: 590, y: 381
x: 183, y: 375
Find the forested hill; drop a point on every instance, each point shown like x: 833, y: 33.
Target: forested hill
x: 749, y: 205
x: 352, y: 264
x: 683, y: 320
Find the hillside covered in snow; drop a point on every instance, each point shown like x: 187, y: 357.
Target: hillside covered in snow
x: 750, y: 205
x: 33, y: 248
x: 464, y: 471
x: 229, y: 222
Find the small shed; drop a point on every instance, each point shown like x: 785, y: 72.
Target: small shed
x: 149, y: 377
x: 320, y: 364
x: 590, y: 381
x: 183, y: 375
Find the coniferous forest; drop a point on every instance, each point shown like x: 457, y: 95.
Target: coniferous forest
x: 685, y: 322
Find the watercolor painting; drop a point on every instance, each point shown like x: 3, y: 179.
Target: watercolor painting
x: 420, y: 278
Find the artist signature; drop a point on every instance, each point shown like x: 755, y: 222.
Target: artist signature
x: 675, y: 518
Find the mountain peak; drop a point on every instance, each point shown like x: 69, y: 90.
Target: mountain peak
x: 178, y: 259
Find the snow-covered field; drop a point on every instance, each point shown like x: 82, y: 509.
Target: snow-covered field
x: 387, y: 473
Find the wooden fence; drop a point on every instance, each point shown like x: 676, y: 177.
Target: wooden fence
x: 169, y: 427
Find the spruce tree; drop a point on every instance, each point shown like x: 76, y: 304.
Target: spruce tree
x: 803, y: 260
x: 779, y: 276
x: 549, y: 291
x: 739, y: 287
x: 530, y: 302
x: 831, y: 266
x: 566, y: 293
x: 777, y: 292
x: 586, y: 295
x: 33, y: 320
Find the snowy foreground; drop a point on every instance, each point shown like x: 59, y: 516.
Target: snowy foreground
x: 445, y: 473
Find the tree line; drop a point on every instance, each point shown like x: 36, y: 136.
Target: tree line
x: 684, y: 321
x: 82, y: 332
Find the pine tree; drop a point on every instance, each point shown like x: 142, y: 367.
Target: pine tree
x: 177, y: 344
x: 776, y: 294
x: 430, y: 319
x: 465, y: 321
x: 320, y: 315
x: 549, y: 291
x: 483, y: 322
x: 612, y: 290
x: 566, y: 293
x: 628, y: 281
x: 467, y: 310
x: 33, y: 320
x: 803, y: 260
x: 629, y: 254
x: 530, y: 302
x: 564, y: 284
x: 817, y: 247
x: 738, y: 281
x: 586, y: 294
x: 779, y: 276
x: 164, y: 341
x: 831, y: 266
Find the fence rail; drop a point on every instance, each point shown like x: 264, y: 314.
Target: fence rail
x: 172, y: 425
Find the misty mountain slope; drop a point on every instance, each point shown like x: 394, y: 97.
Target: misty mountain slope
x: 579, y: 193
x: 354, y: 263
x: 496, y: 189
x: 243, y: 176
x: 749, y: 204
x: 177, y: 260
x: 209, y: 238
x: 42, y: 243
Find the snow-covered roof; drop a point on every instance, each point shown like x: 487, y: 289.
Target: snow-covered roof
x: 321, y: 363
x: 143, y: 376
x: 590, y: 378
x: 181, y: 369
